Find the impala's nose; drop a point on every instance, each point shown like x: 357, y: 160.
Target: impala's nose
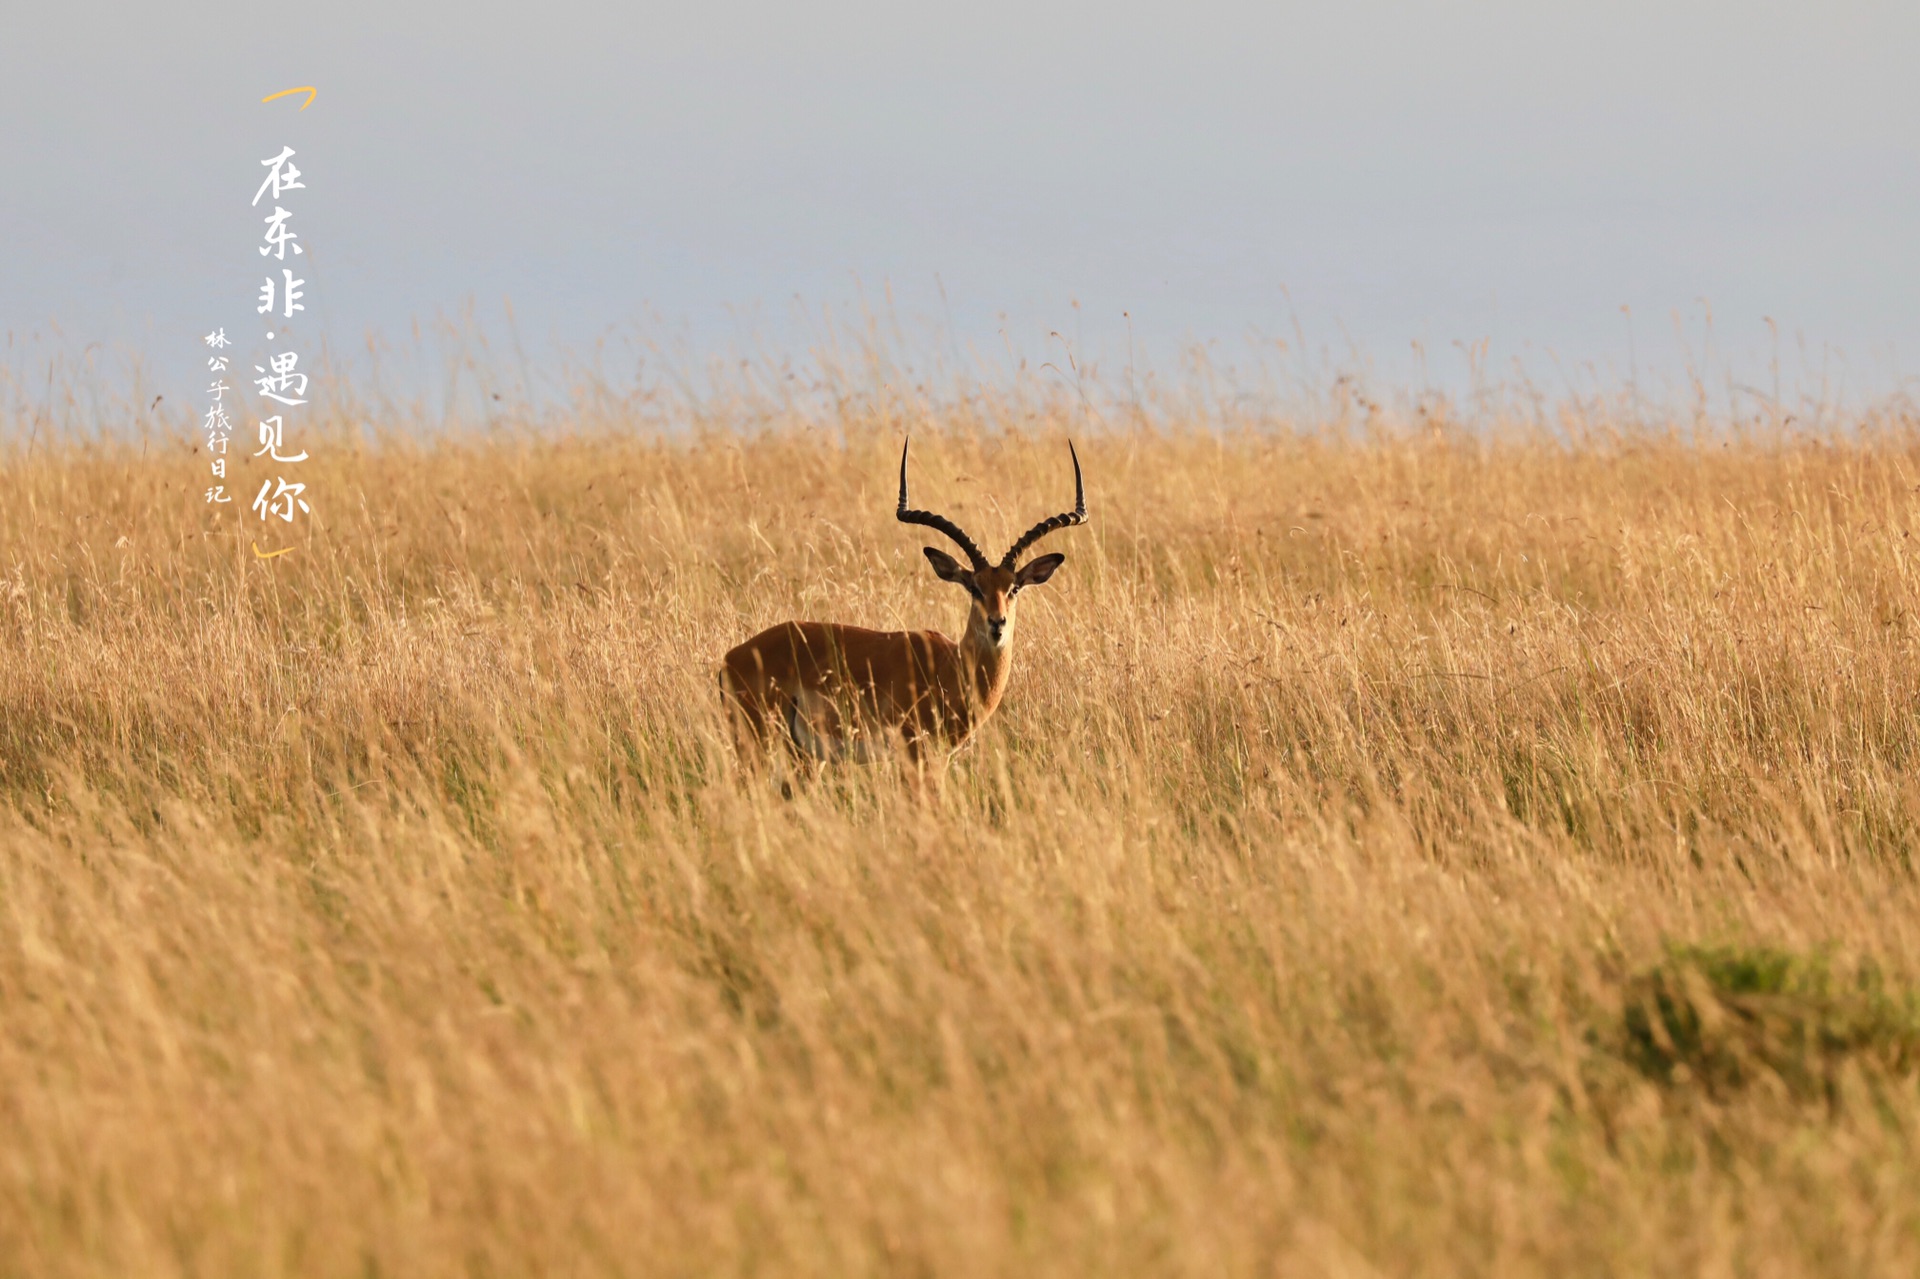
x: 996, y: 627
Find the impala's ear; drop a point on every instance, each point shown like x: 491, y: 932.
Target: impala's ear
x: 1038, y: 571
x: 945, y: 567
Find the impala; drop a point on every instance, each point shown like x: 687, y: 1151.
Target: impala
x: 845, y: 692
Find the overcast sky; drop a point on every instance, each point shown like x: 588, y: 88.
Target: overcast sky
x: 1386, y: 173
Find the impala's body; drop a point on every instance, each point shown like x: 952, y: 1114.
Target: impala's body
x: 844, y: 692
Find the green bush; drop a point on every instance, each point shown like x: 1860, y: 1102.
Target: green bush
x: 1725, y: 1017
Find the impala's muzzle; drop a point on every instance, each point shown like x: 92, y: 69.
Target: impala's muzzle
x: 997, y: 628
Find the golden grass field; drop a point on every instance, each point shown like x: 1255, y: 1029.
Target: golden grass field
x: 1404, y: 850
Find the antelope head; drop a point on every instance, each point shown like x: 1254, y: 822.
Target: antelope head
x: 993, y: 586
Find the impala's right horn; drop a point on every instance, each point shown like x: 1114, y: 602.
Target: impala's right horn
x: 933, y: 521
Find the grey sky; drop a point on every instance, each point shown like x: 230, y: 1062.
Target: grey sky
x: 1401, y: 172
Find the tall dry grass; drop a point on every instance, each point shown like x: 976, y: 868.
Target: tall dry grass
x: 1420, y: 852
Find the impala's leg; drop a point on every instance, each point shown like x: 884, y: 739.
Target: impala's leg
x: 747, y: 718
x: 926, y: 765
x: 807, y: 743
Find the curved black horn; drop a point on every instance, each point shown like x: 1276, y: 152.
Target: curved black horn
x: 933, y: 521
x: 1066, y: 519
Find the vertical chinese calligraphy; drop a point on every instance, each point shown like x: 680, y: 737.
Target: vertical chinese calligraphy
x: 282, y: 296
x: 218, y: 426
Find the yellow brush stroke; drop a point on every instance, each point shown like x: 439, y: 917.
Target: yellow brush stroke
x: 307, y: 89
x: 259, y: 554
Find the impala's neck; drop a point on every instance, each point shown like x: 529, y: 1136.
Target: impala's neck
x: 989, y: 660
